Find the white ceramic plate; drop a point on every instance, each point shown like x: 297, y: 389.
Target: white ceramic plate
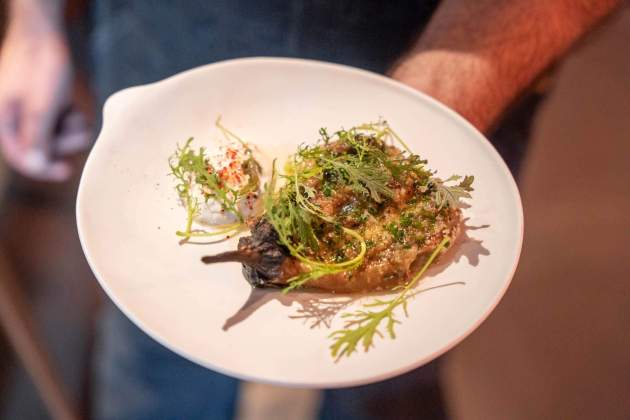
x: 127, y: 215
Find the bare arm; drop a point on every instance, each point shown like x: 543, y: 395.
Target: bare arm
x: 35, y: 88
x: 40, y: 15
x: 477, y: 56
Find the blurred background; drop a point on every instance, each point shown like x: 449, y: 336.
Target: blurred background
x: 557, y: 346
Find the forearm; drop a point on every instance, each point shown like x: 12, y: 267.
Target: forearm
x: 477, y: 56
x: 36, y: 16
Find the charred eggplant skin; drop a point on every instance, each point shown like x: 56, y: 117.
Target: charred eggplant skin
x: 261, y: 254
x: 269, y: 255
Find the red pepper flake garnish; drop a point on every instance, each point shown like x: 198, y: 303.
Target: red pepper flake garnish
x: 231, y: 153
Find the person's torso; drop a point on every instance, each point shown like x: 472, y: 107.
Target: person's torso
x: 140, y: 41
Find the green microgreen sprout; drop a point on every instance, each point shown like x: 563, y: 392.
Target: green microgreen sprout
x: 363, y: 325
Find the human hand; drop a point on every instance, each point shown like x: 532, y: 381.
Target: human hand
x: 37, y: 128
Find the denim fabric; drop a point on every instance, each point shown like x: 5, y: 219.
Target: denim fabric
x: 415, y: 395
x: 140, y: 41
x: 138, y: 379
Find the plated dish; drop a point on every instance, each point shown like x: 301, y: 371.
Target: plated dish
x: 128, y: 213
x: 357, y: 211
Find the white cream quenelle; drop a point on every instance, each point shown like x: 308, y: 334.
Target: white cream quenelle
x: 228, y: 160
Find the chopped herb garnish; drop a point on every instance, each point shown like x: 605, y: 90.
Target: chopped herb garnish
x: 397, y: 233
x: 406, y: 219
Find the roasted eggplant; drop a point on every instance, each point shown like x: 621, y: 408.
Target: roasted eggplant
x: 355, y: 213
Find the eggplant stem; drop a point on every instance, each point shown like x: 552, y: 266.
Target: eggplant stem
x: 242, y: 257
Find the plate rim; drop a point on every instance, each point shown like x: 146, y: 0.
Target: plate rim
x: 455, y: 117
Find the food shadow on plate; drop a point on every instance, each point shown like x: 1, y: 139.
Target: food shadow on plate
x: 318, y: 308
x: 465, y: 246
